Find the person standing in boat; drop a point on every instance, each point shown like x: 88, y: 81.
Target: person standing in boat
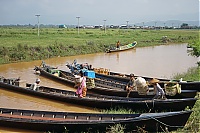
x: 118, y: 44
x: 131, y: 85
x: 82, y: 89
x: 35, y: 85
x: 158, y: 90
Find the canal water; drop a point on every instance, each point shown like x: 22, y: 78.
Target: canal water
x: 158, y: 61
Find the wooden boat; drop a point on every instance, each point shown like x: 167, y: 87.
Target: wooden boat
x: 124, y: 78
x: 103, y: 86
x: 185, y: 85
x: 99, y: 101
x: 93, y: 122
x: 122, y: 48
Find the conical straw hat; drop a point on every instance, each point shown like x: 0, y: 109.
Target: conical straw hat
x: 154, y: 80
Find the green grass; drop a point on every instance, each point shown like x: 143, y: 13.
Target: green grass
x: 192, y: 74
x: 49, y: 36
x: 193, y: 123
x: 23, y: 44
x: 117, y: 111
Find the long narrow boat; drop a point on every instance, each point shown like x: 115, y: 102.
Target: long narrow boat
x: 124, y: 78
x: 99, y: 101
x: 122, y: 48
x: 105, y: 87
x: 84, y: 122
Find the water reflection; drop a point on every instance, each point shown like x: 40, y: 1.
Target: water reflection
x: 9, y: 99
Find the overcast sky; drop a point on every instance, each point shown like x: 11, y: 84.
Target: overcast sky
x: 95, y: 11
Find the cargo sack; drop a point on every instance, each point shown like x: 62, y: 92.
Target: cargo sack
x: 90, y: 83
x: 142, y: 87
x: 142, y: 90
x: 55, y: 72
x: 172, y: 88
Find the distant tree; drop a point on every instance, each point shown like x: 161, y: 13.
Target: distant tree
x: 184, y: 26
x: 195, y: 50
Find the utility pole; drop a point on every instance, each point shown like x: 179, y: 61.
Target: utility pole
x: 78, y: 24
x: 104, y: 25
x: 155, y: 25
x: 143, y: 25
x: 127, y: 24
x: 38, y: 24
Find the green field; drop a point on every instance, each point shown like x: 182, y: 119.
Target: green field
x: 23, y: 44
x: 50, y: 36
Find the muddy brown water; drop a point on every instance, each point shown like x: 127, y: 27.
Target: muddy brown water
x: 158, y: 61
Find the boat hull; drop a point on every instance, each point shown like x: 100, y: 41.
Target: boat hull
x: 110, y: 86
x: 105, y: 102
x: 185, y: 85
x: 122, y: 48
x: 84, y: 122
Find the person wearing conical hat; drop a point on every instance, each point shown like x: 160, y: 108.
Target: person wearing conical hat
x: 160, y: 94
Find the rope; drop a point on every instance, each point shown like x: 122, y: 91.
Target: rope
x: 148, y: 106
x: 67, y: 77
x: 165, y: 129
x: 160, y: 121
x: 165, y: 123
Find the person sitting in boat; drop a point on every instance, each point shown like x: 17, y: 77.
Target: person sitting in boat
x: 82, y: 89
x: 160, y: 94
x: 131, y: 84
x: 35, y: 85
x: 118, y: 44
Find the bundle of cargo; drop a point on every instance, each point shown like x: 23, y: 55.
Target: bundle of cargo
x: 171, y: 88
x: 102, y: 71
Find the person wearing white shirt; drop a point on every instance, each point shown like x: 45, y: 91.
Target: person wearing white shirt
x: 35, y: 85
x: 160, y: 94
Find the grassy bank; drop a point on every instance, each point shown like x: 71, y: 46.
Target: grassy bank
x: 23, y: 44
x: 193, y: 123
x: 192, y: 74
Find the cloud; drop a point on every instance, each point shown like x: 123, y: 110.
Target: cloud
x: 94, y: 11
